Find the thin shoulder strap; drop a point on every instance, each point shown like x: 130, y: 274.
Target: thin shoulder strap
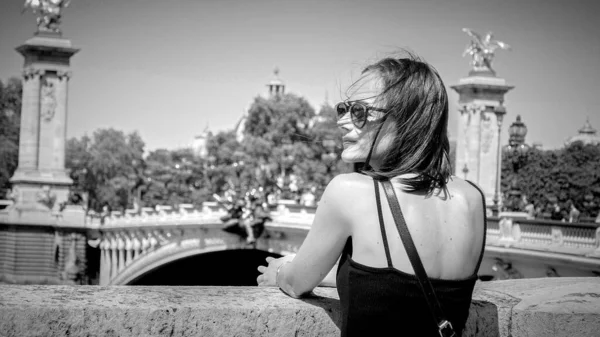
x: 380, y: 215
x: 424, y: 282
x: 484, y: 225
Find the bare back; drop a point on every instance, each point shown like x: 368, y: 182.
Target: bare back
x: 446, y: 226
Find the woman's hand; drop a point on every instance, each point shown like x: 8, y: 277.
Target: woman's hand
x: 268, y: 276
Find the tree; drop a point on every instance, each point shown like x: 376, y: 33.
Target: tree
x: 567, y: 175
x: 284, y: 136
x: 10, y: 121
x: 105, y: 166
x: 174, y: 177
x: 279, y: 119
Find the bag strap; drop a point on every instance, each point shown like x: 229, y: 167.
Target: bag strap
x: 445, y: 329
x: 388, y: 256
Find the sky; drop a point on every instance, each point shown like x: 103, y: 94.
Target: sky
x: 167, y: 69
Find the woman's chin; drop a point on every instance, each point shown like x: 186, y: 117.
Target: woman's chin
x: 349, y: 157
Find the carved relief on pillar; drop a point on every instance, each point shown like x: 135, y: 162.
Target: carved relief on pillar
x: 48, y: 100
x: 487, y: 132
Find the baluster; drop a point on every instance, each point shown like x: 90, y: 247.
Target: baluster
x: 121, y: 250
x: 152, y: 240
x: 145, y: 243
x: 114, y: 267
x: 136, y: 245
x: 104, y: 262
x: 128, y: 249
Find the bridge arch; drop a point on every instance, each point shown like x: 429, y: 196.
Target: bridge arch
x: 174, y: 252
x: 129, y: 254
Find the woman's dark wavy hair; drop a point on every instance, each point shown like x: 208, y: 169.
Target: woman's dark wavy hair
x: 415, y: 97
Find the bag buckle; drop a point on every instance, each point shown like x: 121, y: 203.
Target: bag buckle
x: 445, y: 329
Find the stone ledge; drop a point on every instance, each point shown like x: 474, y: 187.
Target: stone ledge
x: 532, y: 307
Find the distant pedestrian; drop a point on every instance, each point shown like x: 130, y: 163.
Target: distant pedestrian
x: 556, y: 213
x: 539, y: 212
x: 574, y: 214
x: 529, y: 208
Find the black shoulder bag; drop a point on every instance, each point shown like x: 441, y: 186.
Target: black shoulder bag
x: 445, y: 328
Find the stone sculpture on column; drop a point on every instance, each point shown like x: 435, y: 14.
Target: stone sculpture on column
x: 49, y: 13
x: 481, y: 107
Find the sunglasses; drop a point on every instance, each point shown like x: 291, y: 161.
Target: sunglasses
x: 358, y: 112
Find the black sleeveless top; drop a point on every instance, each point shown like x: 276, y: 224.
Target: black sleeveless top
x: 387, y: 301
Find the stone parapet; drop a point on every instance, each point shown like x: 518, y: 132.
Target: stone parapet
x: 539, y: 307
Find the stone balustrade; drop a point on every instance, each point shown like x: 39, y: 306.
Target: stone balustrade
x: 538, y: 307
x: 579, y: 239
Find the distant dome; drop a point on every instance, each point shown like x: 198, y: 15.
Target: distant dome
x: 276, y: 85
x: 587, y: 135
x: 276, y: 80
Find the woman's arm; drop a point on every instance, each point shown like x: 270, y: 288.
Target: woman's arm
x: 321, y: 248
x: 330, y: 279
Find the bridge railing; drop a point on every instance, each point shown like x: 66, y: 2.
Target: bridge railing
x: 582, y: 239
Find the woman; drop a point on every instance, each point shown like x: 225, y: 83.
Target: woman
x: 395, y: 122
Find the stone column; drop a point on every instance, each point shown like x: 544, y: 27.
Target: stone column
x: 29, y: 135
x: 41, y: 181
x: 481, y: 97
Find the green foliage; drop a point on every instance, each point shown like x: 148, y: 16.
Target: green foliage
x: 10, y: 119
x: 107, y: 166
x: 568, y: 175
x: 282, y: 137
x: 279, y: 120
x: 174, y: 177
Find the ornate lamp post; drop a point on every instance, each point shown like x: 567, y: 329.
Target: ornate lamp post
x: 500, y: 111
x: 519, y: 151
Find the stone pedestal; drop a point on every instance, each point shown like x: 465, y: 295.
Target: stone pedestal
x: 478, y: 151
x: 41, y: 183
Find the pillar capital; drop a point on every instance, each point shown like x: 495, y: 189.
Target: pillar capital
x: 32, y: 72
x: 63, y: 74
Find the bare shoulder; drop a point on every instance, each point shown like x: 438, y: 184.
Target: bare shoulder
x: 347, y: 185
x: 465, y: 195
x: 347, y: 189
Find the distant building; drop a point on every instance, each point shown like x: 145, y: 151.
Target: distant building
x: 587, y: 135
x: 240, y: 126
x: 276, y: 85
x: 199, y: 145
x: 276, y: 88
